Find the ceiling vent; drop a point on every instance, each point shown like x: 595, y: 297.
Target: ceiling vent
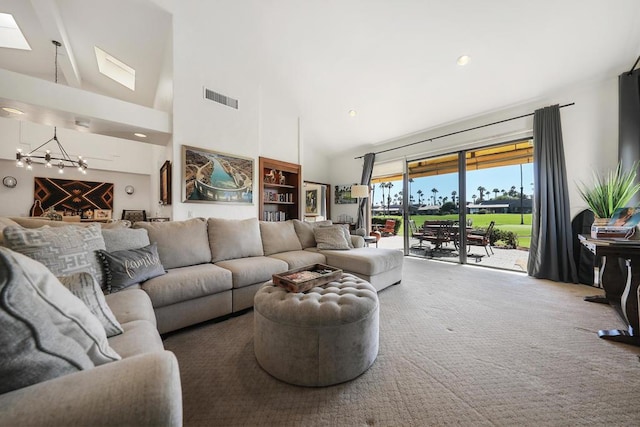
x: 221, y: 99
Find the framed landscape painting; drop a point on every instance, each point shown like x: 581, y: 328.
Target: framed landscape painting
x: 213, y: 177
x: 343, y: 195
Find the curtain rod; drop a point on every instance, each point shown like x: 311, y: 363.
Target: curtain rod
x: 459, y: 131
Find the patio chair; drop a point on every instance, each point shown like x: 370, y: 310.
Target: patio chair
x: 480, y: 238
x: 415, y: 234
x: 389, y: 228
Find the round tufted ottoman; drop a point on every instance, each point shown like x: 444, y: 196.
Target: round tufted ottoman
x: 324, y: 336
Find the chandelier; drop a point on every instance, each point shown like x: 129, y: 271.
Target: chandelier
x: 50, y: 161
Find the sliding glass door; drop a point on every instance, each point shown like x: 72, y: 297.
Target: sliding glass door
x: 471, y: 206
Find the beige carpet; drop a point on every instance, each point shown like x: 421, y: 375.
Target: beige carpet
x: 459, y: 345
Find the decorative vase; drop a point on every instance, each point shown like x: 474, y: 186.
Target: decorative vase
x: 36, y: 209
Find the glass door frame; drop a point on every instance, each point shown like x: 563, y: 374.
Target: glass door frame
x: 462, y: 211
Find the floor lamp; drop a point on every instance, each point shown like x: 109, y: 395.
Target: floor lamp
x: 361, y: 192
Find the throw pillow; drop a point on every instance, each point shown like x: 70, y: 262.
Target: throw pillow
x: 304, y: 230
x: 63, y: 250
x: 347, y: 235
x: 46, y: 331
x: 332, y: 237
x: 128, y: 267
x: 234, y: 238
x: 120, y: 239
x: 279, y: 237
x: 85, y: 287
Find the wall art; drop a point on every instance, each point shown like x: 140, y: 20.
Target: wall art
x: 213, y: 177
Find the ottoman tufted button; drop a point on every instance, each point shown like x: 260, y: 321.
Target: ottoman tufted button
x: 325, y: 336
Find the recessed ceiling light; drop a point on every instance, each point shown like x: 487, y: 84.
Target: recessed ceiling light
x: 140, y: 135
x: 464, y: 60
x: 12, y: 110
x: 353, y: 113
x: 10, y: 34
x: 115, y: 69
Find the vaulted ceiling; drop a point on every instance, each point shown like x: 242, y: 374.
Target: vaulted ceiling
x: 392, y: 62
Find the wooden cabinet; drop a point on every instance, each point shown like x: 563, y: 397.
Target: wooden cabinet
x: 279, y: 190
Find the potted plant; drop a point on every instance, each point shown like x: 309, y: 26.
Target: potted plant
x: 610, y: 192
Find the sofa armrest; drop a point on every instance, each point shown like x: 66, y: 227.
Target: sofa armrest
x: 142, y: 390
x: 357, y: 241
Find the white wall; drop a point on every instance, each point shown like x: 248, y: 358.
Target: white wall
x: 116, y: 160
x: 590, y: 134
x: 265, y: 124
x: 18, y: 201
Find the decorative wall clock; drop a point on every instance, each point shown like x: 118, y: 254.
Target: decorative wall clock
x: 9, y: 181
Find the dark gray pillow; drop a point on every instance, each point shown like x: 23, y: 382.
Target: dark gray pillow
x: 128, y: 267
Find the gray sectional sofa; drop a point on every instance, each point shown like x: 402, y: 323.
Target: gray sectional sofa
x: 213, y: 267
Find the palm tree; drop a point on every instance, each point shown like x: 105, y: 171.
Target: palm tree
x: 440, y: 200
x: 434, y: 191
x: 496, y: 191
x: 474, y: 198
x: 481, y: 190
x: 389, y: 186
x: 513, y: 192
x: 453, y: 197
x: 420, y: 193
x: 410, y: 181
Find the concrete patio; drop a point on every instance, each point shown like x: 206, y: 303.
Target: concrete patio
x: 509, y: 259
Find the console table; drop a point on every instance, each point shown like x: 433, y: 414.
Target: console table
x: 619, y: 276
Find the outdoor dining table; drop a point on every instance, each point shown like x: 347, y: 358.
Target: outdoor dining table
x: 440, y: 232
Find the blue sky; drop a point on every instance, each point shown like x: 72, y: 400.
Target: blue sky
x: 501, y: 177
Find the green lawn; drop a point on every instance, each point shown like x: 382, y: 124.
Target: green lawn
x: 505, y: 222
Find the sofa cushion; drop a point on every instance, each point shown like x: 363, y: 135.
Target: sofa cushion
x: 180, y: 243
x: 279, y: 237
x: 63, y: 250
x: 131, y: 305
x: 297, y: 259
x: 128, y: 267
x: 84, y: 286
x: 120, y: 239
x: 187, y: 283
x: 249, y: 271
x: 234, y: 238
x: 46, y: 331
x: 332, y: 237
x: 367, y: 261
x: 304, y: 230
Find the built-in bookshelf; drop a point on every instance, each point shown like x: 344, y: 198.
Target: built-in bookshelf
x: 279, y: 190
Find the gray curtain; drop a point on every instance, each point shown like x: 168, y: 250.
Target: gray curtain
x: 367, y: 170
x: 551, y: 251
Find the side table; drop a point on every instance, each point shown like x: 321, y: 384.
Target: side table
x: 370, y: 239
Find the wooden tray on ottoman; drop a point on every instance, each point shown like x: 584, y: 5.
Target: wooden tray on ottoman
x: 304, y: 278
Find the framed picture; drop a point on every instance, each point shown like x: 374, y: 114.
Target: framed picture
x: 213, y: 177
x: 102, y: 214
x: 311, y: 202
x: 343, y: 195
x: 165, y: 183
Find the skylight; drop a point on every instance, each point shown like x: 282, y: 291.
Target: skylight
x: 10, y: 34
x: 115, y: 69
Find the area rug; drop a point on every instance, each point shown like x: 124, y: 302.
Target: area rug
x: 459, y: 345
